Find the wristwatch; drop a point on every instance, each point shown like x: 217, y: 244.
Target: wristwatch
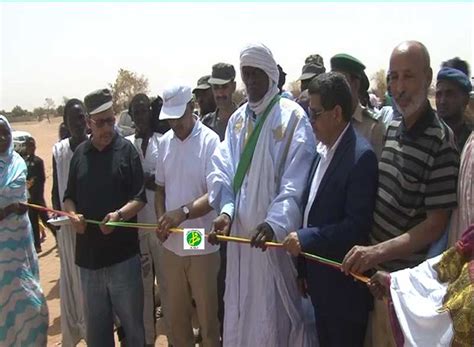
x: 121, y: 219
x: 185, y: 210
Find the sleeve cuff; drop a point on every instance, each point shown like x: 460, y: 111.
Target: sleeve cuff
x: 228, y: 209
x: 306, y: 238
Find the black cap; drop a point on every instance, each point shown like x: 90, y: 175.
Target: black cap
x: 98, y: 101
x: 310, y: 71
x: 347, y: 63
x: 203, y: 83
x: 222, y: 73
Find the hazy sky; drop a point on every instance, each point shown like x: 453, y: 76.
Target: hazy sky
x: 53, y: 50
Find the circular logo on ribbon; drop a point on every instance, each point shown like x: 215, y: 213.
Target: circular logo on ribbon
x: 194, y: 238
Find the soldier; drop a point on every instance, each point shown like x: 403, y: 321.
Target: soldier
x: 309, y: 71
x: 364, y: 121
x: 223, y: 87
x: 204, y: 97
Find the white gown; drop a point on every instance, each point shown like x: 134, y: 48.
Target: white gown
x: 263, y: 306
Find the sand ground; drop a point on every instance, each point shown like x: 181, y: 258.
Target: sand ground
x: 46, y: 134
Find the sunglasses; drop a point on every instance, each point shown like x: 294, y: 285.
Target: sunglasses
x: 313, y: 115
x: 101, y: 122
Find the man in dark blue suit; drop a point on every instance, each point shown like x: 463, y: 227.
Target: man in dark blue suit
x: 338, y: 215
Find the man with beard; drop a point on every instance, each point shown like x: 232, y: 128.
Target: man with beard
x: 452, y: 97
x: 204, y: 97
x: 418, y: 172
x: 255, y: 185
x: 106, y: 183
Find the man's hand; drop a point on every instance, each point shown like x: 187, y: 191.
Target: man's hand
x: 379, y: 284
x: 262, y: 233
x: 110, y: 217
x: 360, y: 259
x: 292, y: 244
x: 78, y: 223
x: 220, y: 226
x: 16, y: 208
x: 171, y: 219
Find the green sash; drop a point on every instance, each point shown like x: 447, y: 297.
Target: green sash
x: 249, y: 149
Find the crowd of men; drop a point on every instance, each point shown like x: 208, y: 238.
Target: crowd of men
x: 324, y: 174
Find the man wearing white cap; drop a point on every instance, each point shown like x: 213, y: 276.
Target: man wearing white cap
x: 257, y: 183
x: 184, y: 154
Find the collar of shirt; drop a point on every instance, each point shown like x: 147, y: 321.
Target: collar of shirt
x: 196, y: 130
x: 358, y: 113
x: 326, y: 152
x: 115, y: 144
x: 420, y: 125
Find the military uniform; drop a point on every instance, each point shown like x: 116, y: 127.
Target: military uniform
x: 212, y: 120
x: 367, y: 124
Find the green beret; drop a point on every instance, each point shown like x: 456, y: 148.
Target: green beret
x: 347, y: 63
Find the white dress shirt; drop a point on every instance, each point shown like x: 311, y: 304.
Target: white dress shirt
x: 326, y: 155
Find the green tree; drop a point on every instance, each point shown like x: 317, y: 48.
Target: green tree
x: 126, y: 85
x: 17, y: 111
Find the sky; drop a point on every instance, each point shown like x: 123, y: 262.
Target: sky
x: 56, y: 50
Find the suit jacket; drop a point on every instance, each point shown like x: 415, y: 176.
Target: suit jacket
x: 340, y: 217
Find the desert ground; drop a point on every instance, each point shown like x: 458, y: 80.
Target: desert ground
x: 46, y: 134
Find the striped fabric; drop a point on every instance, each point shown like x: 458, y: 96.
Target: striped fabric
x: 418, y: 172
x: 23, y: 310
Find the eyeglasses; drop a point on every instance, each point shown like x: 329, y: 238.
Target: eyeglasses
x: 313, y: 115
x: 101, y: 122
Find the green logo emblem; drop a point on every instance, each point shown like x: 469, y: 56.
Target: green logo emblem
x: 194, y: 238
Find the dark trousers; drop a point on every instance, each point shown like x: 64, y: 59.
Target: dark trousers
x: 340, y: 332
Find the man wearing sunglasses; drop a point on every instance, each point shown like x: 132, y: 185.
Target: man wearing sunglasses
x: 338, y: 213
x: 106, y: 184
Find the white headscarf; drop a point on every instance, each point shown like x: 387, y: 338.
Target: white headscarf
x: 11, y: 163
x: 258, y: 55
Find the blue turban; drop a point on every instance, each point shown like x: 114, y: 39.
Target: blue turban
x: 456, y: 76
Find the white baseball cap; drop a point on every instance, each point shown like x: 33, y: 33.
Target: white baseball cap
x: 175, y: 99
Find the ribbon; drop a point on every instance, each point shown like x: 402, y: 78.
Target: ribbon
x: 224, y: 238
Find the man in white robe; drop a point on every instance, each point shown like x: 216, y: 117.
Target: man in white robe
x: 263, y: 306
x: 146, y: 144
x: 72, y: 316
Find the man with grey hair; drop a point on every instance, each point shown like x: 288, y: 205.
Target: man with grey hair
x: 255, y: 186
x: 418, y: 172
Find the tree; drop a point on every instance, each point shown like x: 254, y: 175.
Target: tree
x: 295, y: 88
x: 239, y: 96
x: 60, y: 111
x: 127, y: 84
x: 17, y: 111
x: 38, y: 112
x: 380, y: 83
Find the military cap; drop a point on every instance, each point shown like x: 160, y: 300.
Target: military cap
x: 222, y: 73
x: 310, y: 71
x: 347, y: 63
x: 98, y: 101
x: 314, y: 59
x: 202, y: 83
